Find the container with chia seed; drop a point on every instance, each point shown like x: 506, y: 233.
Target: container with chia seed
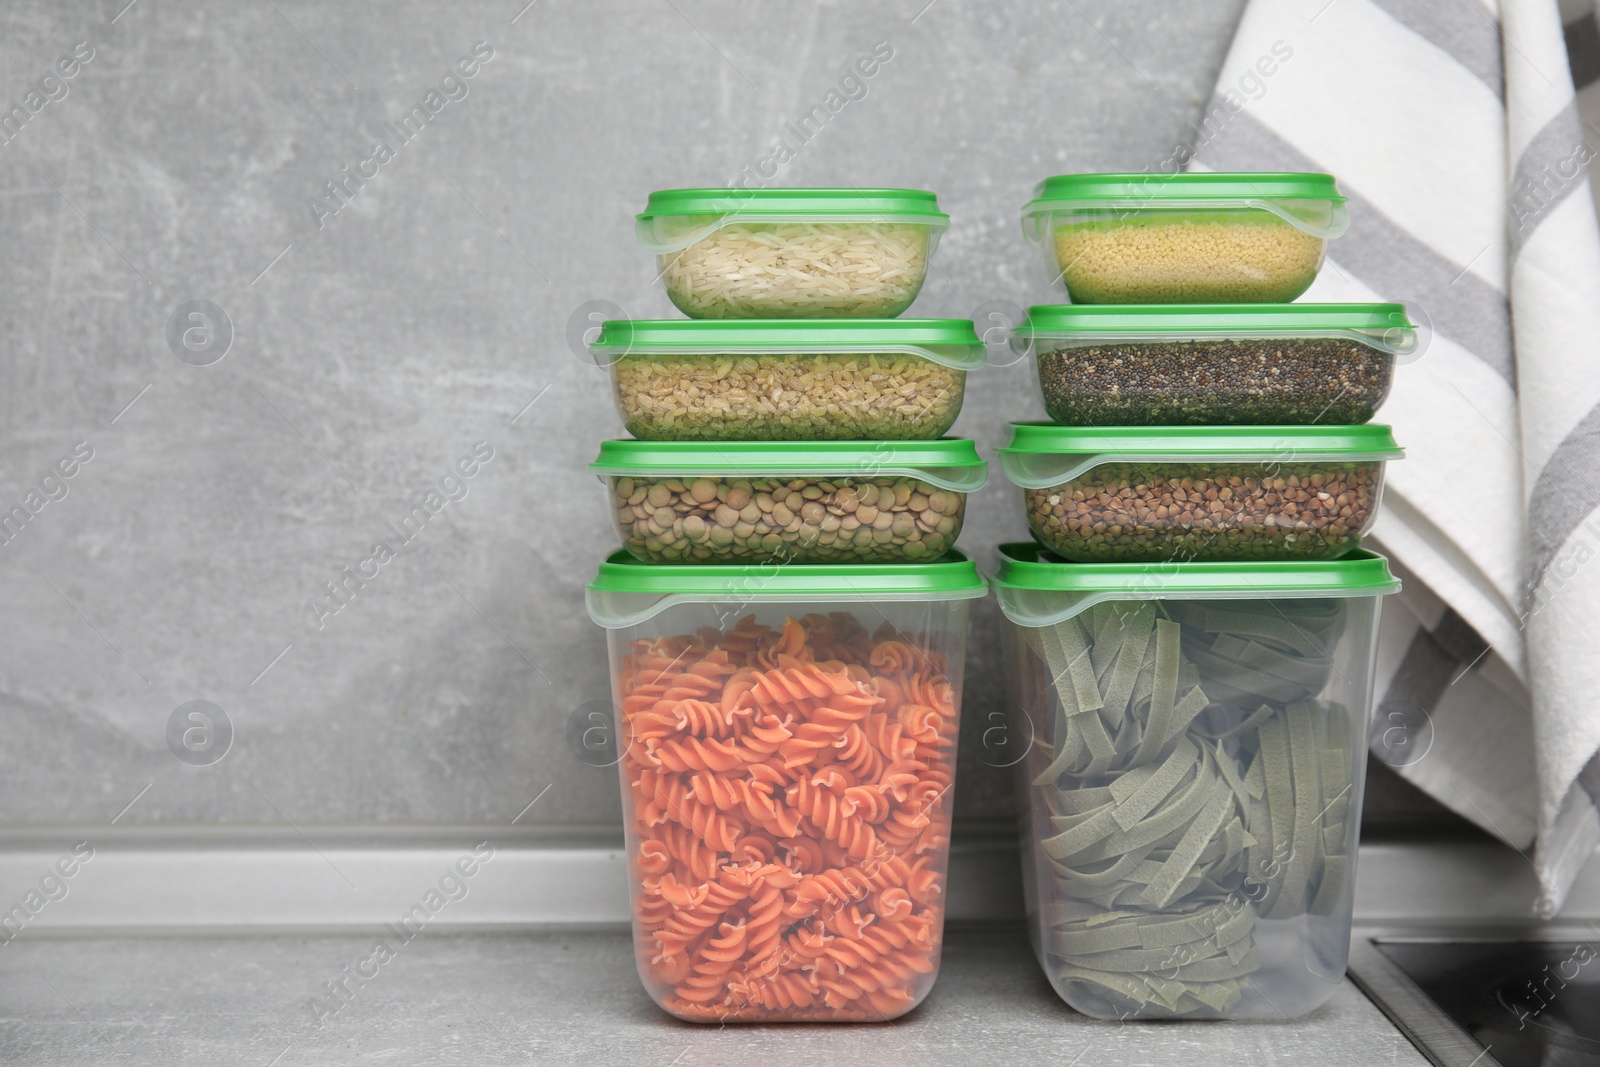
x: 1184, y: 238
x: 1216, y: 364
x: 1144, y: 494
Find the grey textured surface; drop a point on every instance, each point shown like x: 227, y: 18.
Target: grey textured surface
x: 370, y: 354
x: 574, y: 998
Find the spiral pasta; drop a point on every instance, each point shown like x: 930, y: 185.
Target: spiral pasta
x: 790, y: 811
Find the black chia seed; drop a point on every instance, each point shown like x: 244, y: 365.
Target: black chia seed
x: 1228, y: 382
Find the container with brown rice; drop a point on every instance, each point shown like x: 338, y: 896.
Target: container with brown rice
x: 770, y: 380
x: 792, y: 253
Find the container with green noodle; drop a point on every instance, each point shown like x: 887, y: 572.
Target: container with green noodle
x: 1191, y: 788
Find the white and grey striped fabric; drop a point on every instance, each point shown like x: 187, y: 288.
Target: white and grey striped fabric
x: 1455, y: 130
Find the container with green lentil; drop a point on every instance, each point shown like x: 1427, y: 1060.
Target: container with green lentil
x: 1137, y: 494
x: 1184, y: 238
x: 789, y: 502
x: 1216, y: 364
x: 777, y: 379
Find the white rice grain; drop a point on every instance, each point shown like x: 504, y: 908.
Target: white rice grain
x: 799, y: 270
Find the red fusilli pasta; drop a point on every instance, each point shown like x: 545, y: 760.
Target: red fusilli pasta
x: 789, y: 792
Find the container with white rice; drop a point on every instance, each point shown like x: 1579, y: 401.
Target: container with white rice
x: 792, y: 253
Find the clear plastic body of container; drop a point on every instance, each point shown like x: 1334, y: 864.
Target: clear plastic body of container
x: 1184, y: 238
x: 787, y: 747
x: 764, y: 380
x: 1191, y: 800
x: 1217, y: 364
x: 792, y: 253
x: 1117, y: 494
x: 789, y: 502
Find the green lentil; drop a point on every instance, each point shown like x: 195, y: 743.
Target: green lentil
x: 788, y: 520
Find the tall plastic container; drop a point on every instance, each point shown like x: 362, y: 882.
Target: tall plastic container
x: 787, y: 739
x: 1191, y: 795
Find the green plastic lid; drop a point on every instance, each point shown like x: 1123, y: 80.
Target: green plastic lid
x: 953, y: 343
x: 906, y: 205
x: 1311, y: 202
x: 1198, y: 185
x: 1042, y: 454
x: 1036, y: 588
x: 949, y: 462
x: 1385, y: 327
x: 674, y: 219
x: 626, y: 592
x: 1049, y: 320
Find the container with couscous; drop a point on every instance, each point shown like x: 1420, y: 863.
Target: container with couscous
x: 1184, y: 238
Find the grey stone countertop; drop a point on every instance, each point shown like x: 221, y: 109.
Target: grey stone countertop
x: 559, y: 998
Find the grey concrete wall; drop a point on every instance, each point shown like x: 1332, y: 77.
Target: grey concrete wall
x: 365, y: 352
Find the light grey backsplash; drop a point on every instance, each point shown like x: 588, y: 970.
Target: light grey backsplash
x: 369, y: 354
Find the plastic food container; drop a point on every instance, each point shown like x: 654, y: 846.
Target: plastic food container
x: 1216, y: 364
x: 1184, y: 238
x: 787, y: 742
x: 1146, y: 494
x: 1191, y: 800
x: 792, y: 253
x: 814, y: 380
x: 789, y: 502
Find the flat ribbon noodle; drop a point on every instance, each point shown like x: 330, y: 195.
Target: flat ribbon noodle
x: 1194, y: 784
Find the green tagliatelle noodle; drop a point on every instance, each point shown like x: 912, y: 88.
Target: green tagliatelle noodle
x: 1125, y: 694
x: 1195, y: 784
x: 1300, y: 784
x: 1276, y: 651
x: 1191, y: 958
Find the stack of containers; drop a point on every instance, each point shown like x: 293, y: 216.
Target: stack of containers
x: 1190, y: 642
x: 787, y: 617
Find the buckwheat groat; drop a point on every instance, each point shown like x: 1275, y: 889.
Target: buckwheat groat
x: 1149, y: 513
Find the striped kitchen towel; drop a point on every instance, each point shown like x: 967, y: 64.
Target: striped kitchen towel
x: 1454, y: 128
